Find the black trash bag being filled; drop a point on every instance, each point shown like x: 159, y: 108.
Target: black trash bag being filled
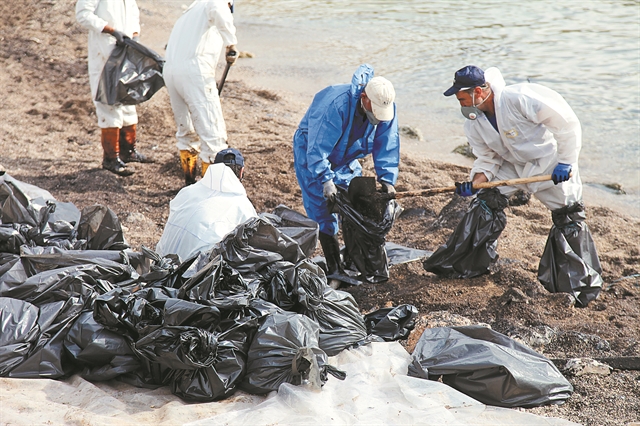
x: 569, y: 263
x: 132, y: 75
x: 472, y: 247
x: 489, y: 367
x: 285, y: 349
x: 364, y: 231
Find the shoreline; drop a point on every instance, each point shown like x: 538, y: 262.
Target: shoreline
x: 439, y: 148
x: 275, y: 67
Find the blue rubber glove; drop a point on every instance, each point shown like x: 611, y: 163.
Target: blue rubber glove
x: 465, y: 189
x: 561, y: 173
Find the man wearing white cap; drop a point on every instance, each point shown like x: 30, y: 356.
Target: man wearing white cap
x: 345, y: 122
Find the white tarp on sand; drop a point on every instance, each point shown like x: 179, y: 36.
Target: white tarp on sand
x: 377, y: 391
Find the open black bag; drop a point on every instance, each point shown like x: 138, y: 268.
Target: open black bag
x: 364, y: 237
x: 472, y: 247
x: 569, y: 263
x: 132, y: 75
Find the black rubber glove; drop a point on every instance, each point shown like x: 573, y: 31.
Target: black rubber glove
x: 120, y: 36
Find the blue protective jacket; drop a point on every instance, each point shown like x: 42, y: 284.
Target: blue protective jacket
x: 323, y: 149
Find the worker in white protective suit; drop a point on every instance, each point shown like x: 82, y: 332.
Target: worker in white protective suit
x: 203, y: 213
x: 520, y: 131
x: 193, y: 50
x: 110, y: 22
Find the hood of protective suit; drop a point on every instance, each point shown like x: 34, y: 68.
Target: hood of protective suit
x: 360, y: 78
x: 203, y: 213
x: 494, y: 77
x: 221, y: 178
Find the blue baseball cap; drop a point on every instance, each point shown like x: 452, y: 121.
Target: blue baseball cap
x: 466, y: 78
x: 229, y: 156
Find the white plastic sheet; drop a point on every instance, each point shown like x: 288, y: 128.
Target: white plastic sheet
x: 377, y: 391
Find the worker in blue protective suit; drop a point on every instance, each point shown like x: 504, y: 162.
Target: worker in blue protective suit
x: 345, y: 122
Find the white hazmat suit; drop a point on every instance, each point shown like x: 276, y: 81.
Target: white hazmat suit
x: 193, y: 50
x: 124, y: 16
x: 538, y: 130
x: 203, y: 213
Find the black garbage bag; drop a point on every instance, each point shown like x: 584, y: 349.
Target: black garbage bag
x: 489, y: 367
x: 15, y: 206
x: 8, y: 261
x: 364, y: 232
x: 336, y: 312
x: 392, y: 323
x: 277, y: 285
x: 168, y: 271
x: 11, y: 238
x: 132, y: 75
x: 84, y: 281
x: 40, y: 259
x: 205, y: 366
x: 570, y: 263
x: 472, y: 247
x: 128, y: 313
x: 32, y: 338
x: 102, y: 354
x: 297, y: 226
x: 101, y: 229
x: 56, y: 224
x: 285, y: 349
x: 39, y: 221
x: 217, y: 284
x: 257, y: 243
x: 19, y: 330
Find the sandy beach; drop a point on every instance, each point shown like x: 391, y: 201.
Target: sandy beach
x: 49, y: 138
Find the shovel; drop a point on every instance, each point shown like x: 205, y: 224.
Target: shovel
x: 224, y: 75
x: 363, y: 188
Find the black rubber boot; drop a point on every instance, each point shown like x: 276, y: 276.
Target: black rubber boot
x: 128, y: 151
x: 111, y: 161
x: 331, y: 250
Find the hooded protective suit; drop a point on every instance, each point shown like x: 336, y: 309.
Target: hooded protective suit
x: 325, y: 146
x: 537, y: 130
x: 193, y: 50
x: 203, y: 213
x: 94, y: 15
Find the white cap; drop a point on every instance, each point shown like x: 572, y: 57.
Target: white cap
x: 381, y: 93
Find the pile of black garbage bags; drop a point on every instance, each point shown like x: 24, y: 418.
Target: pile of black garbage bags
x: 251, y: 314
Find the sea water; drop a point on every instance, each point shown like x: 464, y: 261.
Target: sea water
x: 588, y: 51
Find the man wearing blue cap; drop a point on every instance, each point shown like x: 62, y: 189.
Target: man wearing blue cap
x: 520, y: 131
